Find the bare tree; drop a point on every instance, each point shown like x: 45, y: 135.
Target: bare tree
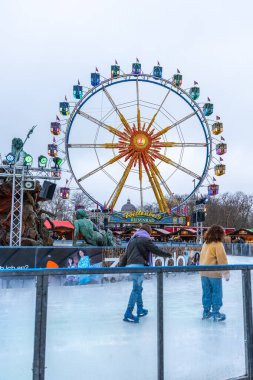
x: 80, y: 199
x: 150, y: 207
x: 64, y: 209
x: 230, y: 210
x: 61, y: 208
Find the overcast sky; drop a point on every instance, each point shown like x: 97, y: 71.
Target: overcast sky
x: 45, y: 46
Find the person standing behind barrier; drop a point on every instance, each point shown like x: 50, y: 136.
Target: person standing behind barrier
x: 138, y: 255
x: 213, y: 253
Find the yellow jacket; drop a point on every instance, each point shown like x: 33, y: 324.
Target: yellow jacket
x: 213, y: 254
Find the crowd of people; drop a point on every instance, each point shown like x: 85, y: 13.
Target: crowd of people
x: 56, y: 236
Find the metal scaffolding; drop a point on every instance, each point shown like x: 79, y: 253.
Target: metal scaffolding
x: 16, y: 206
x: 18, y: 174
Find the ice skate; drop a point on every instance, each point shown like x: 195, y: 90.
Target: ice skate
x: 129, y: 317
x: 218, y: 317
x: 207, y: 314
x: 142, y: 312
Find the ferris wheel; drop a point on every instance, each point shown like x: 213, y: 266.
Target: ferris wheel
x: 139, y: 136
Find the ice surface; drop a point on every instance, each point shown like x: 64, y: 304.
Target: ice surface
x: 87, y: 339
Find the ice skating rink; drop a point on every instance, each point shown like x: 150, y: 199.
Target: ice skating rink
x: 87, y: 339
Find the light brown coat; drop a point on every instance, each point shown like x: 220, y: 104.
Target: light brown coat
x: 213, y: 254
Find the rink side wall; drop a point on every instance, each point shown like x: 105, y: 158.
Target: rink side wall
x: 42, y: 275
x: 41, y: 257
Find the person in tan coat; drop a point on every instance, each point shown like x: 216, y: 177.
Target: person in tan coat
x: 213, y: 253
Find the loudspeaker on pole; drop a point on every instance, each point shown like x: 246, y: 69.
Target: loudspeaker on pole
x: 47, y: 191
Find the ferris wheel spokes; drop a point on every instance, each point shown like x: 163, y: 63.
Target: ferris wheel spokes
x: 114, y: 159
x: 159, y: 108
x: 156, y: 173
x: 115, y: 195
x: 140, y: 178
x: 95, y: 146
x: 121, y: 116
x: 166, y: 129
x: 168, y: 144
x: 155, y: 186
x: 101, y: 124
x: 138, y: 106
x: 163, y: 182
x: 178, y: 166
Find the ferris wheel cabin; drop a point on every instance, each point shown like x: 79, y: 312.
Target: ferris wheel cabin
x: 136, y: 68
x: 157, y: 72
x: 178, y: 80
x: 77, y: 91
x: 220, y: 169
x: 115, y: 71
x: 208, y: 109
x: 217, y: 128
x: 64, y: 192
x: 55, y: 128
x: 221, y: 149
x: 213, y: 189
x: 95, y: 79
x: 194, y: 92
x: 56, y: 173
x: 64, y: 108
x: 52, y: 150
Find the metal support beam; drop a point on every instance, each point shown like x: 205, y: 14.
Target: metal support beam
x: 160, y: 332
x: 248, y: 321
x: 199, y: 230
x: 39, y: 354
x: 16, y: 206
x: 7, y: 171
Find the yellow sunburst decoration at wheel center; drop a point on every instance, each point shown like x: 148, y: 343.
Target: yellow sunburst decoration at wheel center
x: 141, y: 142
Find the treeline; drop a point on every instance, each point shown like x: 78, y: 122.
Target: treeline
x: 230, y: 210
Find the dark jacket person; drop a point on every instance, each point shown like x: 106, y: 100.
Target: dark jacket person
x: 138, y: 254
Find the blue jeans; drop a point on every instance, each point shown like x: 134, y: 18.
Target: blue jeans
x: 211, y: 293
x: 136, y: 293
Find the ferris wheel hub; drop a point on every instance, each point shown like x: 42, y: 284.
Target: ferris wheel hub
x: 140, y: 141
